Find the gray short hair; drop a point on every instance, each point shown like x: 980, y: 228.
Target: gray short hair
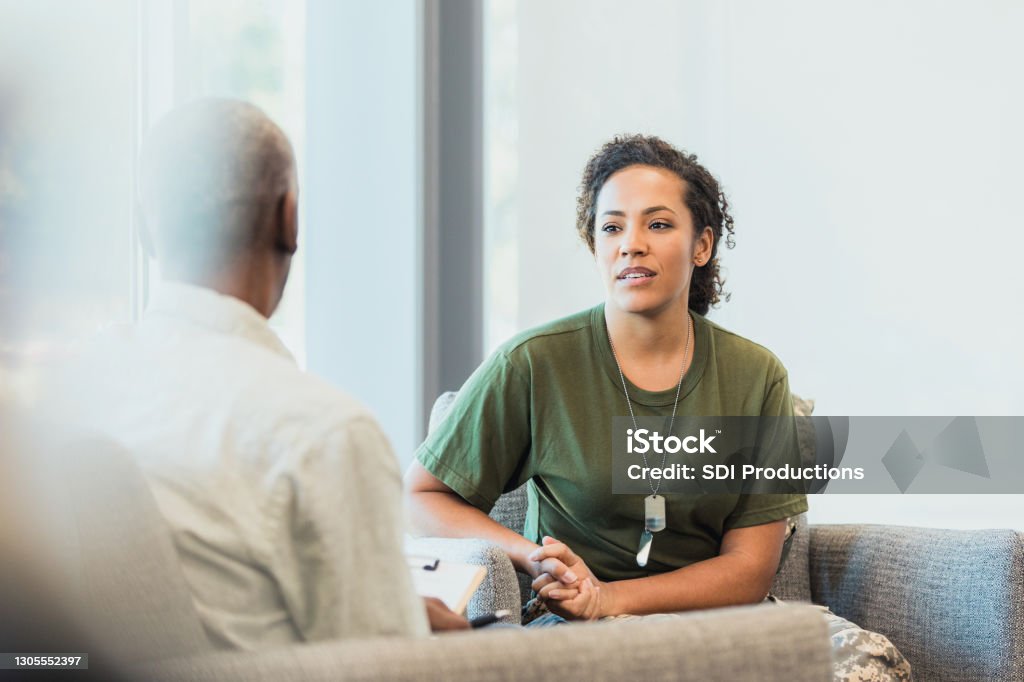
x: 212, y: 172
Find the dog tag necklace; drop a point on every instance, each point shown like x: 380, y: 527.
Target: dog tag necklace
x: 654, y: 504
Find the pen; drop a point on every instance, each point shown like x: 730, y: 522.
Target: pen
x: 489, y: 618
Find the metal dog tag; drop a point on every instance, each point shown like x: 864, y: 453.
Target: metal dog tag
x: 654, y: 513
x: 646, y: 539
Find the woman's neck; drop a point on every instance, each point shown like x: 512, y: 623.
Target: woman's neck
x: 649, y: 348
x: 663, y: 333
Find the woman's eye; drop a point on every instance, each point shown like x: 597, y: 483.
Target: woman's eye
x: 659, y: 225
x: 610, y: 228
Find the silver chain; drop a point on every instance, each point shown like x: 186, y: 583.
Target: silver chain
x: 675, y: 405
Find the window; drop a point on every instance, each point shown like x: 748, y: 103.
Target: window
x: 70, y: 260
x: 255, y: 50
x: 66, y: 157
x: 501, y: 128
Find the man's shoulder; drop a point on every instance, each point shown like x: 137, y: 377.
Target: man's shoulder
x: 332, y: 409
x: 305, y: 403
x: 273, y: 408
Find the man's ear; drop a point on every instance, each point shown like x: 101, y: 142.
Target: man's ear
x: 286, y: 238
x: 145, y: 236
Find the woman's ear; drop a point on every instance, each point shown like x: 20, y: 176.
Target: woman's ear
x: 703, y: 246
x: 286, y: 239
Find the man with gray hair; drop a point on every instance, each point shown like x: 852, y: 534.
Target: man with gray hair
x: 219, y: 194
x: 282, y: 494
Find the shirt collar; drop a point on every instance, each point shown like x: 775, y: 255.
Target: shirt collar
x: 215, y: 311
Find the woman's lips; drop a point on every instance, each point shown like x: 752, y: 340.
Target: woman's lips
x: 636, y: 279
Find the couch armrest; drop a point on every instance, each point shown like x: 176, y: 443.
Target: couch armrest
x: 500, y: 588
x: 952, y: 601
x: 746, y: 643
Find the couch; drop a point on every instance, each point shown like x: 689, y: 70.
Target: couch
x: 103, y: 556
x: 952, y: 601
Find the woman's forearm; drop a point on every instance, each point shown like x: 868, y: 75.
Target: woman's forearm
x: 742, y: 573
x: 725, y: 580
x: 445, y: 514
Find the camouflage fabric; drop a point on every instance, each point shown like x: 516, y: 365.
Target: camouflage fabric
x: 863, y: 656
x: 858, y: 655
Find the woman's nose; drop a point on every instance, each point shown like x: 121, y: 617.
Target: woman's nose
x: 634, y: 241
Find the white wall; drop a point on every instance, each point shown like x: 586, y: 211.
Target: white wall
x: 871, y: 151
x: 363, y: 208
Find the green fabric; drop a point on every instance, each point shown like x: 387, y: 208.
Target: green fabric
x: 540, y: 410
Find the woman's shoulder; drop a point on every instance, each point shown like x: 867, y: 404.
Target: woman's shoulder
x: 551, y: 335
x: 739, y: 352
x: 548, y: 348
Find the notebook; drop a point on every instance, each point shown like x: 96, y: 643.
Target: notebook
x: 451, y: 582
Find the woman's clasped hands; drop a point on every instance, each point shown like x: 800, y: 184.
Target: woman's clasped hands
x: 565, y: 584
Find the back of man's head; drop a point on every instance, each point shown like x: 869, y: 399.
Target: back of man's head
x: 214, y: 175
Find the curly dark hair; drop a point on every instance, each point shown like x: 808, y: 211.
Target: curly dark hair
x: 702, y: 195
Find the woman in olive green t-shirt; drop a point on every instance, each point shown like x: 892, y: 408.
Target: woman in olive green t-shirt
x: 539, y: 411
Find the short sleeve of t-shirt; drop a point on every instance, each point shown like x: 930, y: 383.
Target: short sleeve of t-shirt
x: 755, y: 509
x: 480, y: 449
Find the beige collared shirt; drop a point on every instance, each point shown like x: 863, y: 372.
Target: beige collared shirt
x: 282, y: 494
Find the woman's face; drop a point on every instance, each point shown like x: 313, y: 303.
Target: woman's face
x: 644, y: 240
